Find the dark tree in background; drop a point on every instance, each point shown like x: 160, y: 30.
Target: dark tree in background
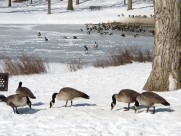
x: 129, y: 4
x: 70, y: 5
x: 77, y: 2
x: 9, y: 3
x: 49, y: 6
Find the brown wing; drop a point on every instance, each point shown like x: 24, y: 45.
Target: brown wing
x: 129, y: 95
x: 73, y: 93
x: 155, y: 98
x: 25, y: 92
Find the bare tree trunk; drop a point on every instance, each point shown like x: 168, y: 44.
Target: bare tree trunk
x: 166, y: 67
x: 9, y: 3
x: 77, y: 2
x: 31, y: 1
x: 124, y: 2
x: 129, y: 4
x: 49, y: 6
x: 70, y: 5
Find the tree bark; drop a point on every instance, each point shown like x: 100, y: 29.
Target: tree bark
x: 77, y: 2
x: 166, y: 66
x: 49, y: 6
x: 9, y: 3
x: 129, y: 4
x: 70, y: 5
x: 31, y: 1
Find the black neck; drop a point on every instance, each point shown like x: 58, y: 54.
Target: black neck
x: 136, y: 103
x: 20, y: 84
x: 53, y: 97
x: 114, y: 99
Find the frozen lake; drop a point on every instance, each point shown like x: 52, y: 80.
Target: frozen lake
x: 18, y: 39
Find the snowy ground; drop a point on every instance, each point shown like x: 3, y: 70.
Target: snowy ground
x: 91, y: 117
x: 37, y: 12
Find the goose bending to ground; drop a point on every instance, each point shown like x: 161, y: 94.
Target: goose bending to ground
x: 126, y: 96
x: 148, y: 99
x: 24, y: 91
x: 68, y: 94
x: 46, y: 39
x: 17, y: 100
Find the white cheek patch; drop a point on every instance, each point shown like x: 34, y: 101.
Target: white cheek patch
x: 136, y: 107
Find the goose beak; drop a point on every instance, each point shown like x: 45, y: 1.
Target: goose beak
x: 51, y: 104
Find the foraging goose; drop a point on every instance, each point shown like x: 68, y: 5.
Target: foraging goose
x: 17, y: 100
x: 149, y: 99
x: 46, y: 39
x: 126, y: 96
x: 67, y: 94
x: 24, y: 91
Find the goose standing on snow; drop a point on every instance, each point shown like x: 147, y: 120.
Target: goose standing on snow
x: 24, y: 91
x: 85, y: 49
x: 148, y: 99
x: 17, y: 100
x: 126, y: 96
x: 68, y: 94
x: 39, y: 34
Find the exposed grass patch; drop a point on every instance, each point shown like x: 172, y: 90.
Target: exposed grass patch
x: 74, y: 64
x: 24, y: 65
x: 136, y: 21
x: 125, y: 56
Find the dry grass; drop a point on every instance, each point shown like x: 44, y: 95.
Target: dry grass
x: 74, y: 64
x: 136, y: 21
x: 125, y: 56
x: 24, y: 65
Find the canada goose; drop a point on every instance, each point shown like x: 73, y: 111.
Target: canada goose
x: 17, y: 100
x: 125, y: 95
x: 46, y: 39
x: 75, y: 37
x: 67, y: 94
x: 86, y: 49
x: 149, y: 99
x: 24, y: 91
x: 123, y: 35
x: 95, y: 45
x: 39, y: 34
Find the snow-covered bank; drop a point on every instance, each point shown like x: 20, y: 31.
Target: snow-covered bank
x: 24, y: 13
x: 91, y: 117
